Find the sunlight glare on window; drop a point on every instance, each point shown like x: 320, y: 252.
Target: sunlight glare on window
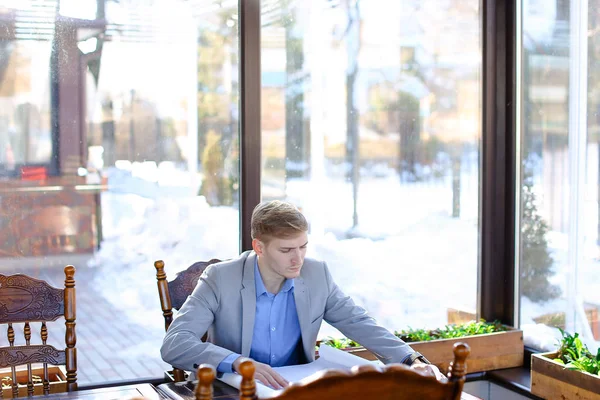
x: 82, y: 9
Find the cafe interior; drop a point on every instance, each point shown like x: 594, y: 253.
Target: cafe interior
x: 446, y: 154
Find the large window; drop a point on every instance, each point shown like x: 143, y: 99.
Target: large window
x: 120, y: 138
x: 141, y: 102
x: 559, y: 180
x: 371, y: 124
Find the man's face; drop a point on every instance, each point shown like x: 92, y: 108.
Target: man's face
x: 282, y: 257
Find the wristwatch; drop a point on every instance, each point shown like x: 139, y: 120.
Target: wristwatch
x: 416, y: 356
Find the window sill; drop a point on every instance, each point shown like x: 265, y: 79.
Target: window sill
x: 517, y: 380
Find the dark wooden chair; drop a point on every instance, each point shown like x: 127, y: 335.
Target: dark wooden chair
x: 391, y: 382
x: 28, y: 300
x: 174, y: 293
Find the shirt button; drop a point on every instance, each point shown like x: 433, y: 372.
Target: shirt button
x: 273, y: 356
x: 273, y: 329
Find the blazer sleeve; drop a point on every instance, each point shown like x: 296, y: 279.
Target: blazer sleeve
x: 183, y: 346
x: 355, y: 323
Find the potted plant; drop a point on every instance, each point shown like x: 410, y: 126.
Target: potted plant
x: 571, y: 372
x: 493, y: 345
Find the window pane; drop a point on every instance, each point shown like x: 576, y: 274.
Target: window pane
x: 143, y: 112
x: 559, y: 284
x: 371, y: 125
x: 25, y: 134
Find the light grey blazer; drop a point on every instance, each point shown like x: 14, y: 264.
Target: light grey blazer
x: 224, y: 304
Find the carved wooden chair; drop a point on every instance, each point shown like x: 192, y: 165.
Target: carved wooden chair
x: 28, y: 300
x: 174, y: 293
x: 391, y: 382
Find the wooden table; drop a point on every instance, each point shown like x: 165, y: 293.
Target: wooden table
x: 145, y: 390
x: 222, y: 391
x: 185, y: 390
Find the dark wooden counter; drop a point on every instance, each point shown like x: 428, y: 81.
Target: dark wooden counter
x: 52, y: 216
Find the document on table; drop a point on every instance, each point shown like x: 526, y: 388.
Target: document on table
x: 329, y: 357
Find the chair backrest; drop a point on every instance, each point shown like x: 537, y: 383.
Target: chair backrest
x: 174, y: 293
x: 28, y: 300
x: 391, y: 382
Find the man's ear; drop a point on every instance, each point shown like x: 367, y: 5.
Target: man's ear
x: 258, y: 246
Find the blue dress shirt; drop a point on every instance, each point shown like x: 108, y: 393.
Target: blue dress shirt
x: 276, y: 327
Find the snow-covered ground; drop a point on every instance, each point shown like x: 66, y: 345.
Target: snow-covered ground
x: 407, y: 261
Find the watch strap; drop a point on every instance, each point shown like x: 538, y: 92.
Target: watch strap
x: 414, y: 357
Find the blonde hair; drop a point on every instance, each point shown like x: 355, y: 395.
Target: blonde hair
x: 276, y: 219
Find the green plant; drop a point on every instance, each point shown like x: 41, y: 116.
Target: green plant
x: 340, y: 343
x: 576, y: 356
x: 451, y: 331
x: 414, y: 335
x: 422, y: 335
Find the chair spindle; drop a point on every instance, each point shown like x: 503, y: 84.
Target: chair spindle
x: 248, y: 385
x: 46, y: 380
x: 458, y: 368
x: 206, y: 376
x: 27, y: 334
x: 70, y: 336
x: 163, y: 291
x: 11, y: 342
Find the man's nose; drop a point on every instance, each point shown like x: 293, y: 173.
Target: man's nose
x: 296, y: 256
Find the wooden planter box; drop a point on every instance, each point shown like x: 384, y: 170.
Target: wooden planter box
x: 551, y: 380
x: 57, y: 375
x: 488, y: 352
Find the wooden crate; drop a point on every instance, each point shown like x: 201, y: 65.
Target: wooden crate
x: 551, y: 380
x: 57, y: 375
x: 488, y: 352
x: 557, y: 319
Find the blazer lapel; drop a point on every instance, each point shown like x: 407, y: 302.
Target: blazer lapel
x: 248, y: 293
x: 302, y: 298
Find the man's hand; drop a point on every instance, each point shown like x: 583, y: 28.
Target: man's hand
x: 264, y: 374
x: 429, y: 369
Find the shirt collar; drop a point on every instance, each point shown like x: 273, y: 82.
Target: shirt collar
x: 288, y: 284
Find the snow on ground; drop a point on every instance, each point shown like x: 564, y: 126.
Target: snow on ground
x: 407, y: 261
x: 403, y: 258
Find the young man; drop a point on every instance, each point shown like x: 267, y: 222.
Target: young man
x: 268, y: 305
